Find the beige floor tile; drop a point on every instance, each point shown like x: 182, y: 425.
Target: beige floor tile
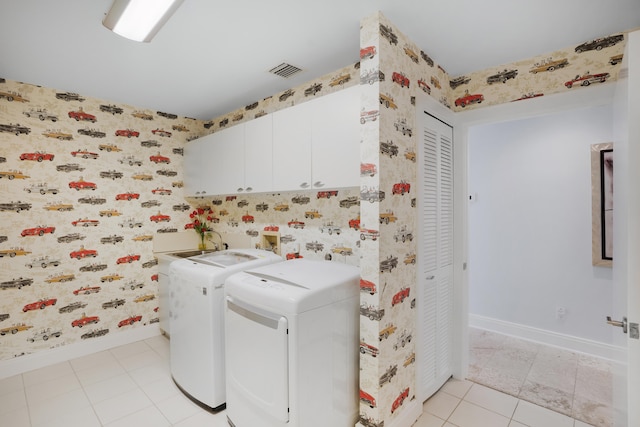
x: 428, y: 420
x: 11, y: 384
x: 492, y: 400
x: 18, y: 417
x: 593, y: 412
x: 110, y: 410
x: 549, y: 397
x: 45, y: 390
x: 441, y: 405
x: 470, y: 415
x: 536, y: 416
x: 457, y: 388
x: 147, y: 417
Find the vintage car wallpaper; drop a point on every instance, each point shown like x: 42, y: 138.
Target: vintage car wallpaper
x: 86, y: 183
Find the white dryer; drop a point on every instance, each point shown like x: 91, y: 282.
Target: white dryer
x: 196, y: 299
x: 292, y: 345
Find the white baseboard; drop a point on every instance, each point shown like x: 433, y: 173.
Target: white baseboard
x: 29, y: 362
x: 554, y: 339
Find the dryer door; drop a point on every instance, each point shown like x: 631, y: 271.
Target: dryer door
x: 257, y: 364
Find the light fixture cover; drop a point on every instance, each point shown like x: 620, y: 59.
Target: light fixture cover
x: 139, y: 20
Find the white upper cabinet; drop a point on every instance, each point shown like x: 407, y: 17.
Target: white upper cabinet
x: 317, y: 144
x: 335, y: 140
x: 292, y: 148
x: 258, y: 155
x: 313, y: 145
x: 195, y: 166
x: 228, y: 151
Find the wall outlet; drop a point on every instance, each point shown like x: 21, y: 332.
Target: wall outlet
x: 561, y: 312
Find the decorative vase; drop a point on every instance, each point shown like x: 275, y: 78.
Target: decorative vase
x: 202, y: 246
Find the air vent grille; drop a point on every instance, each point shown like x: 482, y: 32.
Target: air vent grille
x: 285, y: 70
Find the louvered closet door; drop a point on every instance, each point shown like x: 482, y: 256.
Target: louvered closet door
x: 435, y: 272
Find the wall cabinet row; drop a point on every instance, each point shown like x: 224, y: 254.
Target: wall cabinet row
x: 313, y: 145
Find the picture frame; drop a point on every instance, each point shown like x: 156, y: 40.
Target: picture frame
x: 602, y: 204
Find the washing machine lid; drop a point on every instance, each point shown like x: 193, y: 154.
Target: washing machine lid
x: 227, y: 258
x: 295, y: 286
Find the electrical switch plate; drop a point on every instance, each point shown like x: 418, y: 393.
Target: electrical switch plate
x: 633, y: 331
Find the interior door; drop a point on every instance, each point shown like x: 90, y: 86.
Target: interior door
x: 626, y: 250
x: 435, y: 270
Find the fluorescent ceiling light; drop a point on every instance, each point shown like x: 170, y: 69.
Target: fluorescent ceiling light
x: 139, y: 20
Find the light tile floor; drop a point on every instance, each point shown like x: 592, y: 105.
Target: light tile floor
x: 131, y: 386
x: 569, y: 383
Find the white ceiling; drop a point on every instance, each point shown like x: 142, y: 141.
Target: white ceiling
x: 212, y: 57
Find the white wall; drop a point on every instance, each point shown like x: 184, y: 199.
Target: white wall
x: 530, y: 226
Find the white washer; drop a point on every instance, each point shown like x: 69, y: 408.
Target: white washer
x: 291, y: 343
x: 196, y: 296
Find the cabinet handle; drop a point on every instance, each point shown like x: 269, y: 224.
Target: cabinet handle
x: 318, y: 184
x: 240, y: 190
x: 249, y: 189
x: 304, y: 185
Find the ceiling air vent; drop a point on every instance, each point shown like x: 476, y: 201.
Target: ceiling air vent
x: 285, y: 70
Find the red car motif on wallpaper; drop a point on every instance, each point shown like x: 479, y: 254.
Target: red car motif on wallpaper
x: 85, y: 154
x: 160, y: 218
x: 368, y: 169
x: 469, y: 99
x: 248, y: 218
x: 271, y: 228
x: 400, y: 78
x: 83, y: 253
x: 129, y: 321
x: 294, y: 255
x: 295, y: 224
x: 161, y: 132
x: 586, y: 79
x: 127, y: 196
x: 366, y: 116
x: 37, y: 156
x: 400, y: 400
x: 127, y: 133
x: 159, y: 159
x: 367, y: 286
x: 82, y: 185
x: 40, y: 230
x: 128, y: 259
x: 400, y: 296
x: 81, y: 115
x: 367, y: 398
x: 354, y: 223
x: 85, y: 222
x: 162, y: 191
x: 367, y: 52
x: 367, y: 348
x: 327, y: 194
x: 87, y: 290
x: 367, y: 233
x: 85, y: 320
x: 424, y: 86
x: 401, y: 187
x: 40, y: 304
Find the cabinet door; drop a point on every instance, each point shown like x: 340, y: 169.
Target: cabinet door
x: 292, y: 148
x: 258, y: 155
x: 336, y: 140
x: 225, y: 155
x: 193, y: 167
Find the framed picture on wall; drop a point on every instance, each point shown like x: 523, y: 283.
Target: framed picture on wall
x: 602, y: 204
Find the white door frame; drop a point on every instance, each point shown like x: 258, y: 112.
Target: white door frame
x: 626, y: 269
